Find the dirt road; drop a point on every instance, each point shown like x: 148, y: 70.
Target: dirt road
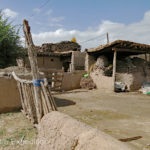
x: 121, y: 115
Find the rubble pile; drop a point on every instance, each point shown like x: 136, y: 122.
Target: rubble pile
x: 60, y: 47
x: 87, y: 83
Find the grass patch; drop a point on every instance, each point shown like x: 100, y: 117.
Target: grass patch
x: 15, y: 138
x: 2, y: 132
x: 16, y: 132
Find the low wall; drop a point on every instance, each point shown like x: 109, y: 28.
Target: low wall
x: 101, y: 81
x: 58, y: 131
x: 9, y: 95
x: 71, y: 80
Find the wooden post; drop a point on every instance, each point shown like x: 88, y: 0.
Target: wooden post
x: 32, y: 54
x: 107, y: 38
x: 73, y: 62
x: 114, y: 69
x: 145, y: 57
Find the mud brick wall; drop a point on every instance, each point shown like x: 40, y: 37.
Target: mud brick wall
x: 9, y: 95
x: 58, y: 131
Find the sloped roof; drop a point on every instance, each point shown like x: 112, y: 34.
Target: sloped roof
x: 122, y: 44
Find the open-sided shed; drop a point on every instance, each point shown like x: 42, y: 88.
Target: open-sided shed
x: 114, y: 52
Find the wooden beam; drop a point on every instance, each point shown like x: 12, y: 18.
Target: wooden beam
x: 32, y: 54
x: 145, y: 57
x: 128, y: 50
x: 114, y: 69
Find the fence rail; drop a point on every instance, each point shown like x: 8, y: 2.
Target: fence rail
x: 55, y: 80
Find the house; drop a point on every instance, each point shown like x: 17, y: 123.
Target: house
x: 119, y: 61
x: 62, y: 63
x: 66, y: 56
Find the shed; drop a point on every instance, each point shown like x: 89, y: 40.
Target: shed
x: 120, y: 58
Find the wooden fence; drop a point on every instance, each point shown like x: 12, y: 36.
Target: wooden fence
x: 28, y: 100
x: 54, y: 79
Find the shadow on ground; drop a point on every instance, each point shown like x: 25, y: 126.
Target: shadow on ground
x: 63, y: 102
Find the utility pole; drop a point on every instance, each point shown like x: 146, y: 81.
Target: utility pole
x: 107, y: 38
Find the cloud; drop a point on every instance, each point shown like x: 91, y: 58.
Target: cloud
x: 57, y: 19
x: 9, y: 13
x: 55, y: 25
x: 36, y: 10
x: 49, y: 12
x: 136, y: 31
x: 50, y: 20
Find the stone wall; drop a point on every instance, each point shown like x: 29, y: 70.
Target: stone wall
x: 133, y: 81
x: 133, y: 72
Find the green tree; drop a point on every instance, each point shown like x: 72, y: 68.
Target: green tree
x: 10, y: 43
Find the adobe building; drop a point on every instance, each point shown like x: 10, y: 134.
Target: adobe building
x: 63, y: 62
x: 66, y: 56
x: 119, y: 61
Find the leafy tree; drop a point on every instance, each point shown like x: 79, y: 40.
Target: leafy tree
x: 10, y: 44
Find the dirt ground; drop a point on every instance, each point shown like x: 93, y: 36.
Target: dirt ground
x: 121, y: 115
x: 16, y: 132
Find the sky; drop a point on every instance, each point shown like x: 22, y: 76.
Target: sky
x: 88, y: 21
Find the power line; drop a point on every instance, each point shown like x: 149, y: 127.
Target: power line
x: 97, y: 37
x: 46, y: 2
x: 43, y: 5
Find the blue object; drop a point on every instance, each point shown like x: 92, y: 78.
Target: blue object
x: 37, y: 82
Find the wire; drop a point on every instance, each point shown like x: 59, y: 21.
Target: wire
x: 97, y: 37
x: 46, y: 2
